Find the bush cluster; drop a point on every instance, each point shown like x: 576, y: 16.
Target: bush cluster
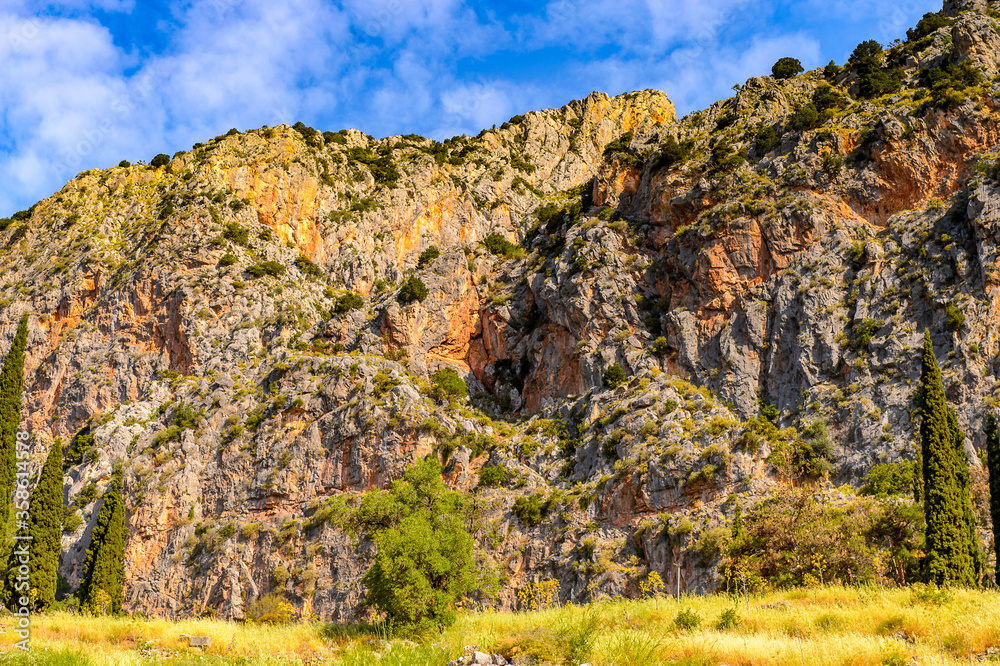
x: 448, y: 384
x: 672, y: 152
x: 499, y: 246
x: 308, y: 267
x: 428, y: 256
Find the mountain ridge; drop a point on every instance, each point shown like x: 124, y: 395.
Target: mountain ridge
x: 237, y: 324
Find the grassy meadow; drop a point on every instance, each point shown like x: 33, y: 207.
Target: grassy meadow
x: 826, y: 625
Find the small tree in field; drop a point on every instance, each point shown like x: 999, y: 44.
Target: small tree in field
x: 425, y: 560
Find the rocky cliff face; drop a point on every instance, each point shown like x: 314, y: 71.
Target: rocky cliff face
x: 228, y: 324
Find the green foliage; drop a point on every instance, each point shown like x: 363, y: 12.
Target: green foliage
x: 228, y: 259
x: 726, y: 157
x: 928, y: 24
x: 889, y: 480
x: 428, y: 256
x: 413, y: 290
x: 620, y: 148
x: 270, y: 608
x: 185, y: 417
x: 165, y: 436
x: 730, y: 619
x: 614, y: 376
x: 449, y: 384
x: 949, y: 555
x: 424, y: 561
x: 311, y: 136
x: 125, y: 164
x: 237, y: 233
x: 809, y: 456
x: 272, y: 268
x: 805, y: 117
x: 160, y: 160
x: 103, y: 576
x: 993, y: 463
x: 552, y: 216
x: 347, y: 301
x: 44, y: 531
x: 955, y: 318
x: 862, y: 333
x: 688, y: 619
x: 529, y: 509
x: 792, y: 539
x: 826, y: 97
x: 766, y: 139
x: 493, y: 477
x: 11, y: 387
x: 672, y: 152
x: 383, y: 383
x: 786, y: 68
x: 380, y: 164
x: 832, y: 69
x: 661, y: 346
x: 867, y: 54
x: 497, y: 245
x: 307, y: 267
x: 166, y: 211
x: 866, y: 60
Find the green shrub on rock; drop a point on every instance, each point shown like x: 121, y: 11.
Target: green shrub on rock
x: 413, y: 290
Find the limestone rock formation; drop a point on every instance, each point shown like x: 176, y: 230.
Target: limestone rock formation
x: 231, y: 325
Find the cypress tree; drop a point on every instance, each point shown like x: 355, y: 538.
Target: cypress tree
x: 11, y: 386
x: 103, y: 579
x: 965, y: 496
x: 41, y: 534
x: 993, y: 463
x: 45, y: 528
x: 947, y: 556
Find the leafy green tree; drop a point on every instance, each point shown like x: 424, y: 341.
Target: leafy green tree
x: 424, y: 561
x: 102, y: 583
x: 160, y: 160
x: 947, y: 549
x: 11, y: 387
x: 889, y: 479
x: 45, y: 528
x: 993, y: 462
x: 786, y: 68
x: 448, y: 384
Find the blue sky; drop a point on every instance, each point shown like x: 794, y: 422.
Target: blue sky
x: 88, y: 83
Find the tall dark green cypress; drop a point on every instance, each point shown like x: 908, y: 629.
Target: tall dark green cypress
x: 993, y: 462
x: 965, y: 496
x: 45, y: 528
x: 947, y: 556
x: 11, y: 387
x: 101, y: 586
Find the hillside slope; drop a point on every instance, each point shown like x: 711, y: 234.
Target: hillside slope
x: 230, y: 324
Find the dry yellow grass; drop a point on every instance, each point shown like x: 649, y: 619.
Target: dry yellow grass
x: 832, y: 626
